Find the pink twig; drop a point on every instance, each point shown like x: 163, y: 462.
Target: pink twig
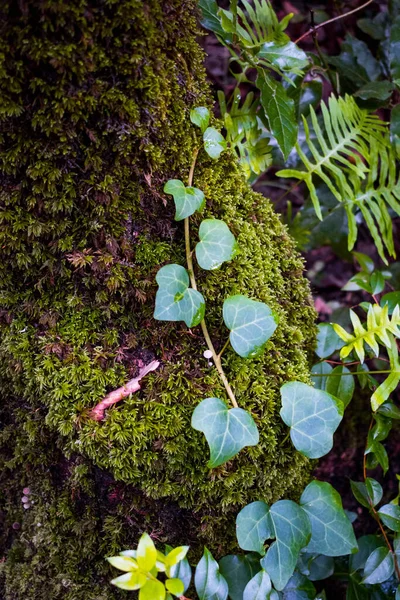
x: 129, y: 388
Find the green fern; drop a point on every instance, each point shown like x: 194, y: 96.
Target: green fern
x: 379, y: 329
x: 356, y: 162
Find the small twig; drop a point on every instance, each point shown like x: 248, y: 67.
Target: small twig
x: 97, y: 414
x: 312, y: 30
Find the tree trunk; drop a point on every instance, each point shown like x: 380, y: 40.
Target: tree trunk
x: 95, y: 101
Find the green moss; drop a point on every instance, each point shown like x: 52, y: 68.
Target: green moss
x: 95, y: 102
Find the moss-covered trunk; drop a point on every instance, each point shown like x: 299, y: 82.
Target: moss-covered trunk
x: 95, y: 101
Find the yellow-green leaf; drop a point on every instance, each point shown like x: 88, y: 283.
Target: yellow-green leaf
x: 146, y: 553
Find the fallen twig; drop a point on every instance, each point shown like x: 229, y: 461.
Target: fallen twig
x: 129, y: 388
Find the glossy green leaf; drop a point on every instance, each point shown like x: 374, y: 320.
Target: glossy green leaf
x: 367, y: 493
x: 379, y: 566
x: 299, y: 588
x: 376, y: 90
x: 226, y: 431
x: 253, y: 526
x: 327, y: 340
x: 279, y: 110
x: 315, y: 567
x: 287, y: 57
x: 251, y: 324
x: 130, y: 581
x: 258, y: 588
x: 331, y: 531
x: 187, y: 199
x: 340, y: 384
x: 200, y: 116
x: 319, y: 375
x: 214, y: 142
x: 379, y: 452
x: 146, y: 553
x: 175, y: 301
x: 312, y: 415
x: 390, y: 515
x: 366, y: 545
x: 217, y: 244
x: 210, y: 18
x: 237, y: 571
x: 291, y: 528
x: 208, y: 581
x: 390, y: 410
x: 394, y: 48
x: 175, y: 586
x: 392, y: 299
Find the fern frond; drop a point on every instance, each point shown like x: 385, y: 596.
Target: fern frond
x: 374, y: 197
x: 379, y: 328
x: 353, y: 157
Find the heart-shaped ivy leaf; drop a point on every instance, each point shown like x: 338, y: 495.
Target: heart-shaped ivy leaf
x: 214, y: 142
x: 312, y: 415
x: 331, y: 531
x: 253, y: 526
x: 251, y: 323
x: 291, y: 528
x: 217, y: 244
x: 175, y: 301
x: 187, y: 199
x: 226, y: 431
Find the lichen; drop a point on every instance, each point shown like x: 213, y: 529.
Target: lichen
x: 94, y: 119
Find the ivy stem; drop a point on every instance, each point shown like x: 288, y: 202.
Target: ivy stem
x: 375, y: 513
x: 189, y: 261
x: 224, y: 348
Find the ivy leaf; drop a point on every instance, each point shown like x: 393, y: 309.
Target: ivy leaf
x: 251, y: 324
x: 208, y: 581
x: 226, y: 431
x: 312, y: 415
x: 175, y: 301
x: 279, y: 110
x: 259, y: 587
x: 366, y: 544
x: 237, y: 571
x: 379, y: 566
x: 214, y: 142
x: 341, y: 385
x: 287, y: 57
x: 367, y: 493
x: 331, y: 531
x: 299, y: 588
x: 315, y: 566
x: 291, y: 528
x: 200, y: 116
x: 187, y: 199
x: 390, y: 515
x: 217, y: 244
x: 253, y: 526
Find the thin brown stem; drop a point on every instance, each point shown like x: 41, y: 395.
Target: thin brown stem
x: 189, y: 261
x: 375, y: 513
x: 224, y: 347
x: 312, y: 30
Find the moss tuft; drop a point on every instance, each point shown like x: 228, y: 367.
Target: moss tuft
x: 94, y: 119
